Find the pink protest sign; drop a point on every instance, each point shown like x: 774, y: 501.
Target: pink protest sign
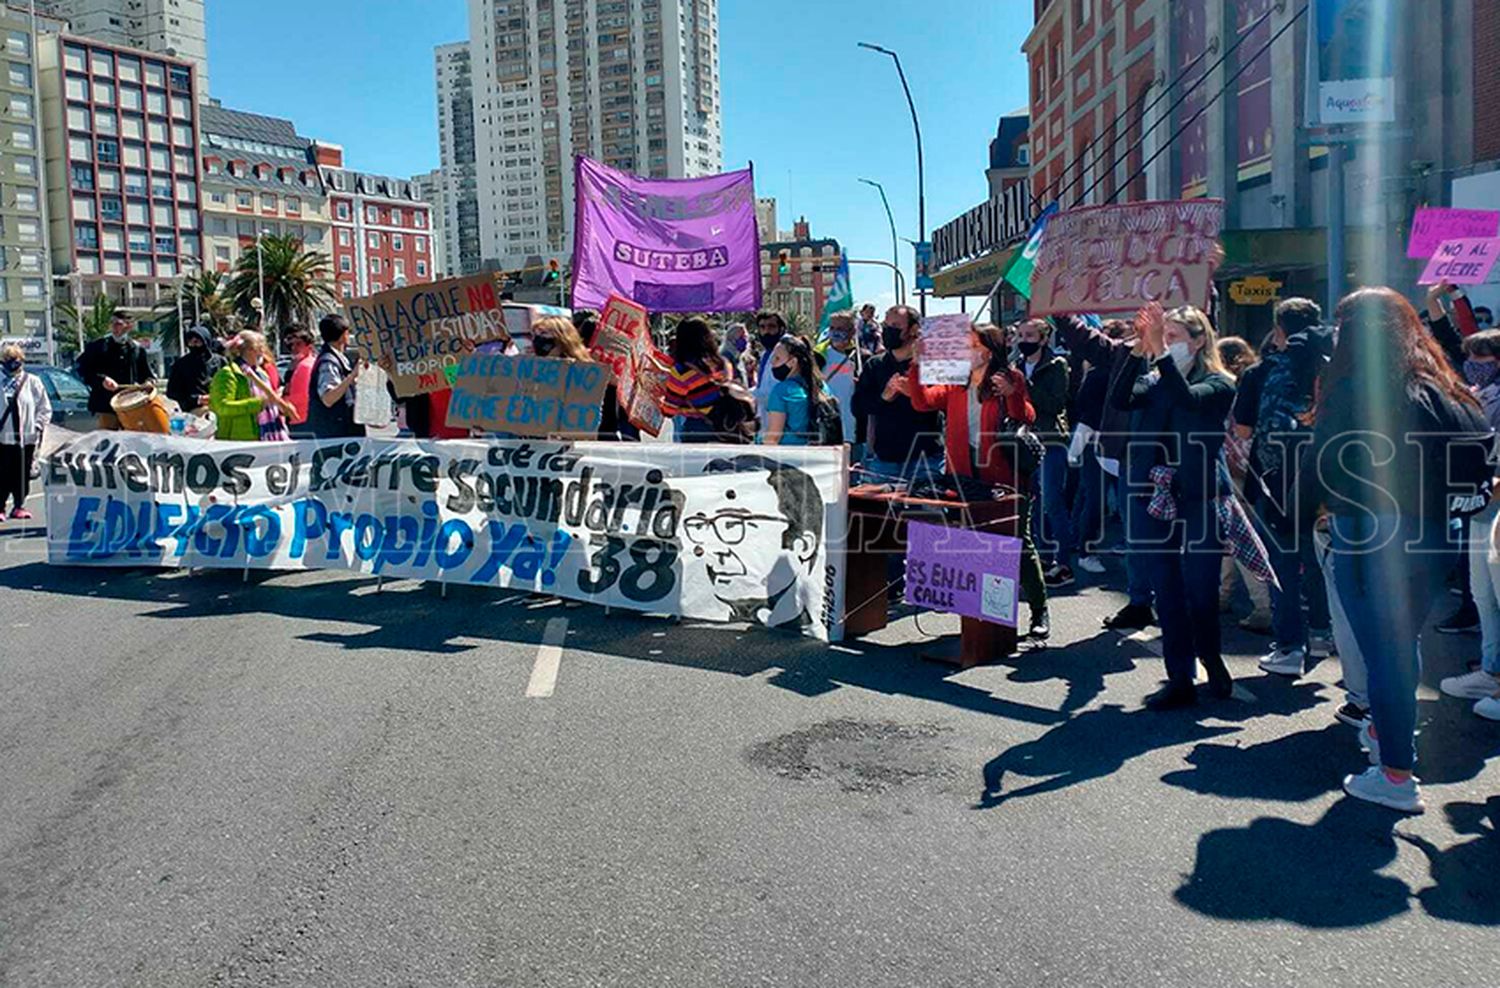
x: 961, y: 571
x: 1432, y: 225
x: 1462, y: 262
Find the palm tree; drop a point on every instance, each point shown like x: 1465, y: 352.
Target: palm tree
x: 89, y: 324
x: 205, y: 302
x: 298, y: 283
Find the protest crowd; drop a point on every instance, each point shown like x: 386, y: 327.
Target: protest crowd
x: 1338, y: 470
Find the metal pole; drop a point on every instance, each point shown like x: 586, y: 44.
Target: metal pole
x: 260, y: 277
x: 896, y: 271
x: 1336, y: 263
x: 896, y: 283
x: 921, y: 167
x: 181, y: 335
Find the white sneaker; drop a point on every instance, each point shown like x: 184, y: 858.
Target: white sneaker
x: 1374, y: 786
x: 1091, y: 564
x: 1474, y: 685
x: 1284, y: 662
x: 1488, y: 708
x: 1319, y: 646
x: 1368, y: 743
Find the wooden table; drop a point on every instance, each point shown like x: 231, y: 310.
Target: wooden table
x: 877, y: 532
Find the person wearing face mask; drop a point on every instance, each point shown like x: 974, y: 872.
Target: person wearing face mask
x: 901, y: 443
x: 25, y: 413
x: 734, y: 351
x: 1179, y: 396
x: 770, y: 327
x: 841, y: 364
x: 795, y: 397
x: 1047, y: 383
x: 109, y: 363
x: 868, y: 330
x: 975, y: 418
x: 194, y: 371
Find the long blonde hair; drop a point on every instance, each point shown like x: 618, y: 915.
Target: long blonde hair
x: 1198, y: 325
x: 569, y: 343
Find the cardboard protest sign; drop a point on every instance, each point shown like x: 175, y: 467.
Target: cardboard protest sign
x: 665, y: 528
x: 1432, y: 225
x: 1462, y: 262
x: 961, y: 571
x: 529, y: 396
x: 623, y: 343
x: 1118, y: 258
x: 946, y: 349
x: 417, y: 332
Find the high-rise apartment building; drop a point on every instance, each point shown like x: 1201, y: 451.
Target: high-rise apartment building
x: 166, y: 27
x: 632, y: 83
x: 23, y: 262
x: 433, y: 190
x: 121, y: 166
x: 459, y: 222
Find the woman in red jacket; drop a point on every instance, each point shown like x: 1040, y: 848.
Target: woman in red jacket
x: 975, y: 417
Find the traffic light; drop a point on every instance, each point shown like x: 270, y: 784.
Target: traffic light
x: 784, y: 262
x: 553, y: 275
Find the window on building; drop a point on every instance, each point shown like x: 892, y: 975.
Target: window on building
x: 421, y: 243
x: 80, y: 148
x: 397, y: 242
x: 348, y: 290
x: 134, y: 156
x: 135, y: 212
x: 343, y: 238
x: 182, y: 108
x: 78, y: 118
x: 31, y: 289
x: 187, y: 216
x: 244, y: 200
x: 373, y: 240
x: 20, y: 75
x: 111, y: 209
x: 166, y: 243
x: 421, y: 220
x: 221, y: 253
x: 161, y: 160
x: 345, y: 265
x: 104, y: 92
x: 293, y: 206
x: 156, y: 74
x: 135, y: 183
x: 83, y: 208
x: 102, y: 63
x: 268, y: 203
x: 130, y: 70
x: 139, y: 240
x: 342, y: 211
x: 162, y: 214
x: 108, y: 150
x: 395, y: 217
x: 109, y: 180
x: 372, y: 215
x: 398, y: 269
x: 156, y: 103
x: 187, y: 190
x: 181, y: 77
x: 421, y: 269
x: 18, y: 42
x: 218, y: 198
x: 20, y: 106
x: 76, y: 87
x: 161, y: 186
x: 26, y: 199
x: 132, y: 126
x: 156, y: 131
x: 28, y: 231
x: 374, y: 265
x: 23, y: 165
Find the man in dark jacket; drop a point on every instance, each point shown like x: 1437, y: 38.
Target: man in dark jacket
x: 901, y: 441
x: 109, y: 363
x: 330, y: 400
x: 1111, y: 357
x: 1271, y: 408
x: 194, y: 371
x: 1047, y: 384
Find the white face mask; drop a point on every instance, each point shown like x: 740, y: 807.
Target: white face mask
x: 1182, y: 355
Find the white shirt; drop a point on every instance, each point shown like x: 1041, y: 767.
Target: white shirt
x: 33, y: 409
x: 838, y: 374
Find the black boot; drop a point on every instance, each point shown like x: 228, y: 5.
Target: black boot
x: 1131, y: 617
x: 1173, y: 696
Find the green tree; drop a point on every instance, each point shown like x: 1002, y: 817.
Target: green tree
x: 93, y: 321
x: 205, y: 300
x: 298, y: 284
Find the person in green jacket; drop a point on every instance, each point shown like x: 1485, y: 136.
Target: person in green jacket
x: 246, y: 406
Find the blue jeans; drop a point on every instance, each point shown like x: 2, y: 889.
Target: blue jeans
x: 1184, y: 574
x: 1050, y: 522
x: 694, y: 429
x: 1484, y: 583
x: 1297, y: 570
x: 1087, y: 524
x: 1387, y: 589
x: 1137, y: 579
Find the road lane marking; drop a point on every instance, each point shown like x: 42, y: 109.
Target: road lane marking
x: 548, y: 658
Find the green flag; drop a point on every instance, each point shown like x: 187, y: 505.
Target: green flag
x: 1018, y: 274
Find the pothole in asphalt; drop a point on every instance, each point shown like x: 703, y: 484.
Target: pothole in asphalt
x: 859, y: 756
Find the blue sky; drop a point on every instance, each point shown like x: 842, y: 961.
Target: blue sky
x: 814, y: 112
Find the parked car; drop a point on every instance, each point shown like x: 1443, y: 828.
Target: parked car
x: 69, y: 397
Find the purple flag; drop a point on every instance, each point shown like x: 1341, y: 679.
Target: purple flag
x: 671, y: 245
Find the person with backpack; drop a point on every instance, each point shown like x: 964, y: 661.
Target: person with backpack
x: 840, y: 365
x: 1272, y: 411
x: 1399, y: 444
x: 980, y: 441
x: 800, y: 412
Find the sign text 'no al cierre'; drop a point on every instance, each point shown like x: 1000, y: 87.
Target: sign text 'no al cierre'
x: 1118, y: 258
x: 529, y: 396
x: 421, y: 331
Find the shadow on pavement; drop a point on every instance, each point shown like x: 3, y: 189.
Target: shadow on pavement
x: 416, y: 618
x: 1465, y: 889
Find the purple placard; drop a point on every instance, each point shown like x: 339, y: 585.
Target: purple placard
x: 1434, y: 224
x: 671, y: 245
x: 961, y: 571
x: 1462, y: 262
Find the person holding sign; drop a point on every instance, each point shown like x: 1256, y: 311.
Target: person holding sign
x: 330, y: 403
x: 1179, y: 397
x: 976, y: 416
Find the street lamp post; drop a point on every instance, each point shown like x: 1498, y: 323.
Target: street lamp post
x: 260, y: 280
x: 895, y: 245
x: 921, y: 174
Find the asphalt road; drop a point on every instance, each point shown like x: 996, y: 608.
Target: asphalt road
x: 298, y: 780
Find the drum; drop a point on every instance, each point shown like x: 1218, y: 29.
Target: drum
x: 142, y: 410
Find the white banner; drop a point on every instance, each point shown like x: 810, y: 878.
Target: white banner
x: 712, y: 532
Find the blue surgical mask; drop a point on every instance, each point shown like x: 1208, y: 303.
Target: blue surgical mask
x: 1481, y: 373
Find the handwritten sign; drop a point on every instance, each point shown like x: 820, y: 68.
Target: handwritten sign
x: 1118, y: 258
x: 529, y: 396
x: 1462, y: 262
x: 623, y: 344
x: 1432, y: 225
x: 946, y: 349
x: 961, y: 571
x: 417, y: 332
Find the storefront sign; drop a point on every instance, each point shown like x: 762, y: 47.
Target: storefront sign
x: 1350, y: 62
x: 709, y: 532
x: 1118, y: 258
x: 1001, y: 221
x: 961, y: 571
x: 1254, y: 291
